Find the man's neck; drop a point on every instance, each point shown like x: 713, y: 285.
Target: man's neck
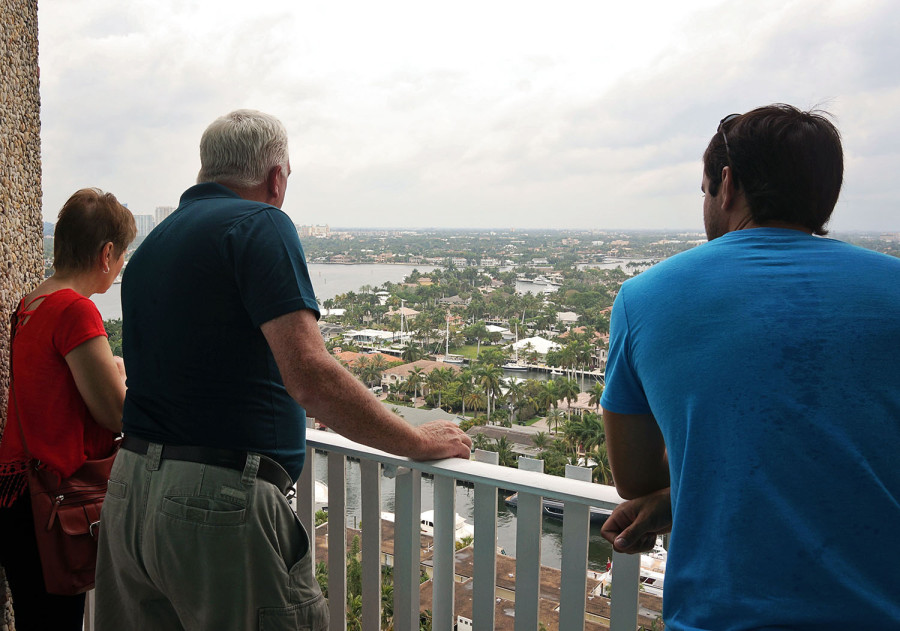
x: 774, y: 224
x: 258, y: 193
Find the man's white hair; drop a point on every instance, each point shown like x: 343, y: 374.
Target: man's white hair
x: 240, y: 148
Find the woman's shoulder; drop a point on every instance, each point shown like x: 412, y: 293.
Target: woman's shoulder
x: 68, y: 311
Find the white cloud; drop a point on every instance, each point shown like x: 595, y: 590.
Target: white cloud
x: 482, y: 114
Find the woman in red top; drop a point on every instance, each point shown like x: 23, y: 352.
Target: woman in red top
x: 67, y: 390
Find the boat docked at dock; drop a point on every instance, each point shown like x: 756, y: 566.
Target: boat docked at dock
x: 462, y: 529
x: 652, y: 574
x: 554, y: 509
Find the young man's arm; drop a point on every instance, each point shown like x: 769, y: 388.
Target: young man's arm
x: 637, y: 453
x: 335, y: 397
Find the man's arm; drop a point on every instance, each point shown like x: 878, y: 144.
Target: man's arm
x: 332, y: 395
x: 637, y: 453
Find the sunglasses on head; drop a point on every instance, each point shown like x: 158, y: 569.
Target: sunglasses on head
x: 721, y: 129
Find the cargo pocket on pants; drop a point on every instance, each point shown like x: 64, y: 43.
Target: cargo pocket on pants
x: 310, y: 616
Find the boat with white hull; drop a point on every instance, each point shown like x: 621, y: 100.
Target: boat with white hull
x: 554, y: 509
x: 462, y: 529
x: 652, y: 574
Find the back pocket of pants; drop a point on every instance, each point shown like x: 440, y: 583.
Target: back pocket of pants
x: 310, y: 616
x: 204, y: 510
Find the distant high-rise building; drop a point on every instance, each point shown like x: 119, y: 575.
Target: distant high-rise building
x: 320, y: 232
x: 145, y: 224
x: 162, y: 212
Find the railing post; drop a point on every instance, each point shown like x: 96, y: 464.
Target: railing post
x: 485, y: 562
x: 528, y: 552
x: 407, y: 547
x: 305, y: 500
x: 442, y: 598
x: 577, y: 496
x: 623, y: 601
x: 337, y: 541
x: 576, y: 531
x: 370, y: 482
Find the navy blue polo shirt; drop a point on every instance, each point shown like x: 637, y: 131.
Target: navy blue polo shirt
x: 194, y: 295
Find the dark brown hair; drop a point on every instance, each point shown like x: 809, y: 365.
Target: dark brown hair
x: 88, y: 221
x: 788, y: 163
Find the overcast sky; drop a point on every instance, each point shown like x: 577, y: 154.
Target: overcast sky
x: 490, y: 114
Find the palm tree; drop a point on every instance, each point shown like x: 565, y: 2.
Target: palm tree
x: 547, y: 397
x: 480, y: 441
x: 540, y: 440
x: 369, y: 370
x: 602, y: 472
x: 571, y: 435
x: 583, y: 356
x: 596, y: 392
x: 503, y: 448
x: 387, y: 603
x: 437, y: 380
x: 489, y: 377
x: 554, y: 418
x: 568, y: 358
x: 592, y: 432
x: 412, y: 353
x: 568, y: 390
x: 415, y: 379
x: 514, y: 393
x: 475, y: 399
x: 464, y: 388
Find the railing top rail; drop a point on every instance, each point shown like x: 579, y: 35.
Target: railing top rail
x: 548, y: 486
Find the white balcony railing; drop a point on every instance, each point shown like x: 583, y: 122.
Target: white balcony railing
x: 576, y: 491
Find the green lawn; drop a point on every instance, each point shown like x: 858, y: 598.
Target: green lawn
x: 470, y: 351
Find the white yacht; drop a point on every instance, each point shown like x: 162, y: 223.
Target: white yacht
x: 652, y: 575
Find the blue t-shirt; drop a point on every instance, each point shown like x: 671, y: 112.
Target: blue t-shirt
x: 771, y: 361
x: 194, y: 295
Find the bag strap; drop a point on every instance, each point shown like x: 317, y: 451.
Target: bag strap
x: 14, y: 325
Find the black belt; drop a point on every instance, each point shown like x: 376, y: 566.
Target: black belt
x: 269, y: 470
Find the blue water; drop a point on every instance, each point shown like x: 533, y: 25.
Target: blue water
x: 328, y: 281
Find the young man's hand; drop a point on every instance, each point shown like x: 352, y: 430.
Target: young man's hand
x: 635, y: 524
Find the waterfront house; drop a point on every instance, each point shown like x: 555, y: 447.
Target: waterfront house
x: 398, y: 375
x: 539, y: 345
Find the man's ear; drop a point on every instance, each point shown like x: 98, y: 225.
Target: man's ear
x: 727, y: 189
x: 273, y: 185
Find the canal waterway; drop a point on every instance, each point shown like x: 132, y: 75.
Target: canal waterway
x: 328, y: 281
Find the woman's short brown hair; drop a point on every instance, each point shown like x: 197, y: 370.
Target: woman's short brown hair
x: 88, y: 221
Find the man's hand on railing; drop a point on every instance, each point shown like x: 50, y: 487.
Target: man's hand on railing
x: 635, y: 524
x: 442, y: 439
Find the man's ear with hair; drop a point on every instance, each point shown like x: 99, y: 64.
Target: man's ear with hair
x: 727, y: 189
x: 275, y: 185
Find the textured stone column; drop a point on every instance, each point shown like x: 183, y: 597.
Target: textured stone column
x: 21, y: 244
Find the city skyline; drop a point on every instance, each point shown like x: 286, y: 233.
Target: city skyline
x: 490, y: 115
